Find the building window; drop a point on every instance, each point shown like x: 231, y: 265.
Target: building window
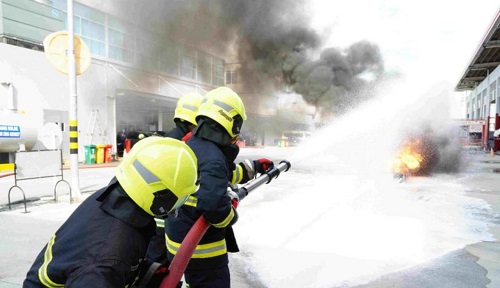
x: 110, y: 37
x: 204, y: 67
x: 120, y: 46
x: 88, y: 23
x: 147, y: 55
x: 231, y: 77
x: 218, y: 72
x: 93, y: 35
x: 169, y: 61
x: 188, y: 63
x: 121, y: 40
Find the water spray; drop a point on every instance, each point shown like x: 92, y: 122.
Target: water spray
x: 188, y: 245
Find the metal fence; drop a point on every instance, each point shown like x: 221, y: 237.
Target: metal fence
x: 32, y: 165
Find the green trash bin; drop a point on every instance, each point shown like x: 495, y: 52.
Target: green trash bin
x: 89, y: 154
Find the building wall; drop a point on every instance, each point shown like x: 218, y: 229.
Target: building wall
x: 30, y: 19
x: 40, y: 89
x: 119, y: 64
x: 477, y: 100
x: 124, y: 70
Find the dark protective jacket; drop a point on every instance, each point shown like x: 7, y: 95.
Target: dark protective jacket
x: 178, y: 131
x: 100, y: 245
x: 211, y: 201
x: 157, y: 249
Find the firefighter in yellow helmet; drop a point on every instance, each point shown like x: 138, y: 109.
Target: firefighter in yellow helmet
x: 185, y: 115
x: 103, y: 243
x: 220, y: 119
x: 185, y: 120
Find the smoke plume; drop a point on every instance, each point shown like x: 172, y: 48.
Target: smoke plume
x: 274, y: 46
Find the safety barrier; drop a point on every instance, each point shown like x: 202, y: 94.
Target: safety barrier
x: 30, y: 165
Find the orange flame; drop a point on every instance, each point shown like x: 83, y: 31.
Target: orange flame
x: 408, y: 158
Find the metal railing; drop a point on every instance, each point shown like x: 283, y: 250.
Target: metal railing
x: 31, y: 165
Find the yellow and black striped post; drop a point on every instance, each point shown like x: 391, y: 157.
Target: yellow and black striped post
x: 73, y: 137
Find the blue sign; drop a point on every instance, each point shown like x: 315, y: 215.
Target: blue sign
x: 8, y: 131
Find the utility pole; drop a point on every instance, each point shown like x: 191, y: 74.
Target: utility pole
x: 73, y: 108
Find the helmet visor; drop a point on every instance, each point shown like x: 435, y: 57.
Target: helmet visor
x: 163, y: 202
x: 237, y: 124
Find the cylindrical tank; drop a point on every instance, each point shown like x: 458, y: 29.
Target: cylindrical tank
x: 17, y: 132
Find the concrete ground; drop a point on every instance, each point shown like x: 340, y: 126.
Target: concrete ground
x: 476, y: 265
x: 24, y: 234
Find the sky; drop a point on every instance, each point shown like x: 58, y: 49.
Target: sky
x: 430, y: 41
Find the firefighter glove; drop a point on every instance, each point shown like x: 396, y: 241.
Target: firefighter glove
x: 234, y: 198
x: 263, y: 165
x: 253, y: 167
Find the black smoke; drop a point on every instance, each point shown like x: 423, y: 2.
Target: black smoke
x: 439, y: 147
x: 274, y: 46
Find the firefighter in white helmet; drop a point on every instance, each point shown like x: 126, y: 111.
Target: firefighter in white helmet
x: 220, y: 119
x: 103, y: 243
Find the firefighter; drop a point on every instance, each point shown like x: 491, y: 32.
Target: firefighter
x: 103, y: 243
x: 184, y: 119
x: 185, y: 115
x: 220, y: 118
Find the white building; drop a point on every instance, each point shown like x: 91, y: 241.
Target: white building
x: 481, y: 81
x: 133, y: 83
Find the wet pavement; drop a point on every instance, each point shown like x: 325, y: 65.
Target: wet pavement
x: 24, y: 234
x: 476, y: 265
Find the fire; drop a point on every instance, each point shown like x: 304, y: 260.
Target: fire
x: 410, y: 158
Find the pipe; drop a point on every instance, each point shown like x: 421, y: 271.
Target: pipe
x: 264, y: 178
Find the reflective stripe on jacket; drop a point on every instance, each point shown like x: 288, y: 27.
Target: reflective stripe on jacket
x: 211, y: 201
x: 100, y: 245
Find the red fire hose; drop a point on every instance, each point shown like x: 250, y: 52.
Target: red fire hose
x: 188, y: 245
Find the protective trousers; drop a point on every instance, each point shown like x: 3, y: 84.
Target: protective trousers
x: 213, y: 278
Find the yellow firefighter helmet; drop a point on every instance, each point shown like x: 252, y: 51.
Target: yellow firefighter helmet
x: 159, y: 174
x: 225, y: 107
x: 187, y: 107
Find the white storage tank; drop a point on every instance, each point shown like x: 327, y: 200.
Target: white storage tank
x: 17, y: 132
